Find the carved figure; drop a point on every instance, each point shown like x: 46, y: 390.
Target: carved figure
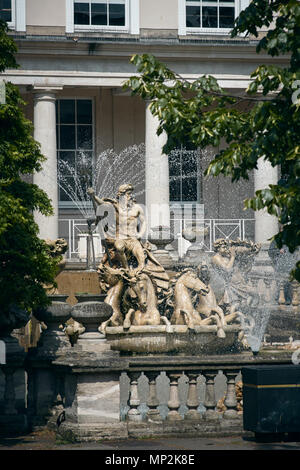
x: 234, y: 260
x: 206, y: 304
x: 142, y: 295
x: 129, y: 225
x: 57, y: 249
x: 138, y: 288
x: 185, y: 313
x: 133, y: 279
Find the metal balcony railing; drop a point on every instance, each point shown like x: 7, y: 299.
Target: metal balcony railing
x: 75, y: 232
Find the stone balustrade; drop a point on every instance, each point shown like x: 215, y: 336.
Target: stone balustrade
x: 97, y: 393
x: 181, y: 392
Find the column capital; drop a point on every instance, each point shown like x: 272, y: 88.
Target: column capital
x: 38, y: 90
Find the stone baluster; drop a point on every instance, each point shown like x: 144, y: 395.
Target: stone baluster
x: 210, y: 398
x: 153, y: 413
x: 281, y: 298
x: 230, y: 398
x: 9, y: 392
x: 192, y: 399
x: 134, y: 401
x: 267, y: 290
x: 173, y: 402
x: 295, y: 294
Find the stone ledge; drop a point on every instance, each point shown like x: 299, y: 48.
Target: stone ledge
x: 74, y: 432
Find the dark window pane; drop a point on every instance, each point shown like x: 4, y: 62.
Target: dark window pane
x: 175, y: 189
x: 84, y: 161
x: 84, y: 137
x: 99, y: 13
x: 67, y: 112
x: 189, y: 189
x: 5, y: 10
x: 67, y: 137
x: 193, y: 16
x: 116, y: 14
x: 82, y: 186
x: 66, y: 163
x: 84, y: 112
x: 67, y: 189
x: 209, y: 17
x: 81, y: 13
x: 175, y: 163
x: 189, y: 163
x: 189, y: 176
x: 226, y: 19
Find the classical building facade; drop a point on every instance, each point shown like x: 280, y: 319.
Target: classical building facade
x: 74, y: 56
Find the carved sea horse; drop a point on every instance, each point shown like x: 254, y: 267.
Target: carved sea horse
x: 143, y: 303
x: 184, y: 312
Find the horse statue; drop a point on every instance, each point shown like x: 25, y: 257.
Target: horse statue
x: 186, y: 285
x: 142, y: 299
x: 133, y: 298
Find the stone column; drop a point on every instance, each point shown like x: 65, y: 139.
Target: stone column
x: 157, y: 175
x: 266, y: 225
x: 45, y: 134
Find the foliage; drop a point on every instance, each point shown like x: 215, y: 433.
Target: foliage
x: 269, y: 129
x: 25, y: 261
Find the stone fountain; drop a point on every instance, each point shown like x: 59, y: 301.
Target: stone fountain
x: 153, y: 314
x: 198, y: 319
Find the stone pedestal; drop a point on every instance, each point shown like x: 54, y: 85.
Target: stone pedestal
x: 43, y: 382
x: 53, y: 340
x: 92, y: 394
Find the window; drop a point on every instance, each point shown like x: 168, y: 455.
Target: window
x: 216, y: 16
x: 183, y: 174
x: 6, y: 11
x: 14, y: 13
x: 107, y: 14
x: 75, y: 148
x: 103, y: 15
x: 211, y: 14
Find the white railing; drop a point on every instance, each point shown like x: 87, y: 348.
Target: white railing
x: 214, y: 229
x: 75, y: 232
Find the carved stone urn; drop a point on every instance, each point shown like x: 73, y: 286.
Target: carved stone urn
x: 91, y: 315
x: 161, y: 236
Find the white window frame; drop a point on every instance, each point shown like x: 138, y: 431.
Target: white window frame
x: 132, y: 17
x: 18, y: 15
x: 12, y: 24
x: 184, y: 30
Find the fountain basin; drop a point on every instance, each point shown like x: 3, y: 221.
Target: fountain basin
x: 175, y: 339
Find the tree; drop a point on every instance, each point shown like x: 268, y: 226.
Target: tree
x: 270, y: 129
x: 25, y: 262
